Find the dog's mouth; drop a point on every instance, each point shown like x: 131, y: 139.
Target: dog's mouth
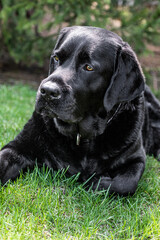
x: 68, y: 121
x: 63, y: 114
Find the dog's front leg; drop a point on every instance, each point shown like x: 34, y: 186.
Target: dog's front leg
x: 22, y: 152
x: 11, y: 163
x: 125, y: 182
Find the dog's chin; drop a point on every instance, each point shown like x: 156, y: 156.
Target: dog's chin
x: 62, y: 116
x: 62, y: 119
x: 66, y: 123
x: 46, y: 113
x: 66, y: 127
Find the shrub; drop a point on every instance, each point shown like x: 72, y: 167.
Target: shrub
x: 29, y: 28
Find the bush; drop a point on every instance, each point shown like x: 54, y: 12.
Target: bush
x: 29, y: 28
x: 26, y: 32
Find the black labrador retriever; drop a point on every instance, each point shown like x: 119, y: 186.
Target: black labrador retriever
x: 94, y: 115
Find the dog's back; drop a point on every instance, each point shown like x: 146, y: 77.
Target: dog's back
x: 151, y: 127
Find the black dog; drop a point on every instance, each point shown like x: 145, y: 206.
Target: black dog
x: 93, y: 115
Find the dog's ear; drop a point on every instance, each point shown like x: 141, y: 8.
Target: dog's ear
x: 127, y: 81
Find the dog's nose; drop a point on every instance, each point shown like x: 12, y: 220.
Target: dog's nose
x: 50, y: 90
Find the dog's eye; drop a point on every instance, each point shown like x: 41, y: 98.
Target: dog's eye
x: 89, y: 68
x: 56, y: 58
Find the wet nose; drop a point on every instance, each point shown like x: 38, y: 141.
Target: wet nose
x: 50, y: 90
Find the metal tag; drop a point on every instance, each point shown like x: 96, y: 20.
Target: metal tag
x: 78, y: 139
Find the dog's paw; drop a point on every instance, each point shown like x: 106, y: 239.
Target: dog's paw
x: 7, y: 161
x: 103, y: 183
x: 4, y: 162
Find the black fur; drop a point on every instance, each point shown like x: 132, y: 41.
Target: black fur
x: 98, y: 123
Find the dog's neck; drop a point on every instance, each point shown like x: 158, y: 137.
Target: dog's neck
x: 90, y: 127
x: 103, y: 123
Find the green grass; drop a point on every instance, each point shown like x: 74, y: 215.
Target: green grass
x: 47, y: 205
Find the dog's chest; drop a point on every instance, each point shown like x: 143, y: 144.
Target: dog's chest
x: 85, y: 159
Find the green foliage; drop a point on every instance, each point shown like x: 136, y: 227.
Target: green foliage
x: 29, y: 28
x: 142, y: 25
x: 25, y: 32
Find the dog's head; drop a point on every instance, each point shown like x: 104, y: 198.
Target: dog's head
x: 91, y: 71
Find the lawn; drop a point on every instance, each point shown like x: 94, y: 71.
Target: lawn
x: 47, y: 205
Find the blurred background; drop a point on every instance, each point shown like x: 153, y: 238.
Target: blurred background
x: 28, y: 31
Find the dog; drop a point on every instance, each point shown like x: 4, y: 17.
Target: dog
x: 94, y: 115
